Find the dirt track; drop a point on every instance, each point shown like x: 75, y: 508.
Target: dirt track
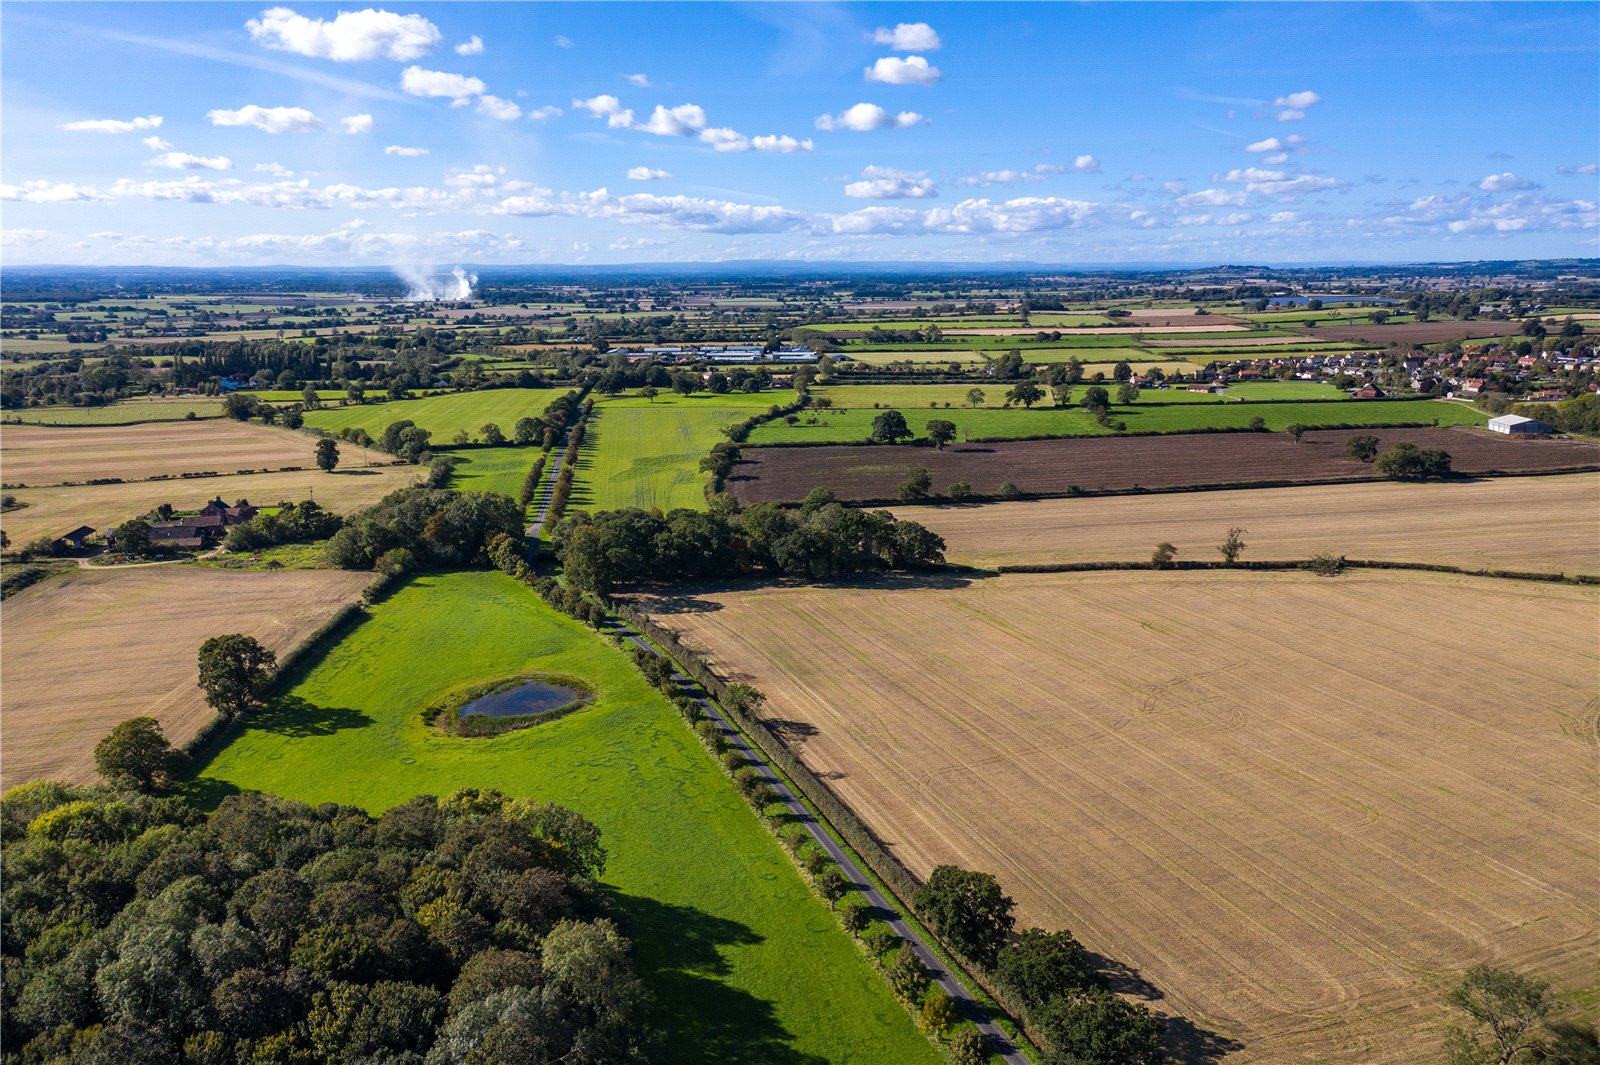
x: 1150, y: 462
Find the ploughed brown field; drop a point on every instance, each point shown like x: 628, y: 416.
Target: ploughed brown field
x: 43, y: 455
x: 91, y: 649
x: 1298, y: 807
x: 1179, y: 460
x: 1525, y: 524
x: 1415, y: 332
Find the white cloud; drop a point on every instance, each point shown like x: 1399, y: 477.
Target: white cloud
x: 539, y: 114
x: 563, y: 41
x: 1282, y: 217
x: 1290, y: 114
x: 865, y: 117
x: 471, y: 46
x: 50, y: 192
x: 1299, y: 100
x: 353, y: 36
x: 888, y: 183
x: 438, y: 83
x: 730, y: 140
x: 908, y: 37
x: 1275, y: 144
x: 404, y: 152
x: 1030, y: 214
x: 1212, y: 198
x: 267, y: 119
x: 1086, y: 164
x: 275, y: 169
x: 601, y: 106
x: 678, y: 121
x: 114, y: 125
x: 155, y: 144
x: 495, y: 107
x: 356, y: 123
x: 640, y: 80
x: 1276, y: 160
x: 1584, y: 168
x: 647, y: 173
x: 912, y: 70
x: 1238, y: 176
x: 185, y: 161
x: 1506, y: 182
x: 479, y: 177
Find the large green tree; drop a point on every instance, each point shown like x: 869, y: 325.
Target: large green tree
x: 136, y: 754
x: 890, y: 428
x: 235, y: 672
x: 968, y: 910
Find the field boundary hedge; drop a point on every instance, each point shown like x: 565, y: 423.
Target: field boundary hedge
x: 214, y: 731
x: 844, y: 820
x: 1290, y: 564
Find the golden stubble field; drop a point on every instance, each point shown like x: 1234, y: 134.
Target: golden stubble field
x: 1299, y: 807
x: 53, y: 511
x: 47, y: 455
x: 86, y: 651
x: 1526, y: 524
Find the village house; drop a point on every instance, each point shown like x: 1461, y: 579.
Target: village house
x: 203, y: 529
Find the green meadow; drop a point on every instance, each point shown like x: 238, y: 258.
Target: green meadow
x: 644, y: 453
x: 492, y: 469
x: 443, y: 415
x: 123, y: 412
x: 746, y: 964
x: 987, y: 423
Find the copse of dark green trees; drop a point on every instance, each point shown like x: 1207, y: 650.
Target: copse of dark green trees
x: 438, y: 526
x: 820, y: 541
x: 140, y: 930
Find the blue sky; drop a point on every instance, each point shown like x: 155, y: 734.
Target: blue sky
x: 591, y: 133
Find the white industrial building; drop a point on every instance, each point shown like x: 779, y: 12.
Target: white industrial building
x: 1517, y: 425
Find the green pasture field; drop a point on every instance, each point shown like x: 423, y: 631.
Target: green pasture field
x: 122, y: 412
x: 639, y: 453
x: 855, y: 425
x: 910, y: 397
x: 745, y: 963
x: 491, y: 469
x: 442, y: 415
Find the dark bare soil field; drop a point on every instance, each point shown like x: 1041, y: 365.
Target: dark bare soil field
x: 1414, y: 332
x: 783, y: 474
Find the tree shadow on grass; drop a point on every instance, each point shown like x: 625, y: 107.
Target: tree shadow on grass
x: 290, y: 715
x: 678, y: 953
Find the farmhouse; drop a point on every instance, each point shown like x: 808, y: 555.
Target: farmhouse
x: 204, y: 528
x: 1517, y: 425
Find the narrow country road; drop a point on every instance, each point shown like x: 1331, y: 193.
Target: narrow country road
x: 999, y: 1042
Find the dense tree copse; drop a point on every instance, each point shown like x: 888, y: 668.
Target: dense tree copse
x: 438, y: 526
x: 1408, y: 462
x: 968, y: 910
x: 601, y: 551
x: 455, y: 930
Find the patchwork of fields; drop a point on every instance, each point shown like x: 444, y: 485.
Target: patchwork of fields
x: 1298, y: 807
x: 39, y: 455
x: 746, y: 964
x: 1525, y: 524
x: 1158, y: 412
x: 646, y: 453
x: 1147, y: 462
x: 87, y: 650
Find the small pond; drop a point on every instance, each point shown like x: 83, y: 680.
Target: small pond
x: 522, y: 699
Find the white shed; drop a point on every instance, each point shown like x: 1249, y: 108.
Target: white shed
x: 1517, y: 425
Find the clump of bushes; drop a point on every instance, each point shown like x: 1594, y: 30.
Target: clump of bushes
x: 294, y: 523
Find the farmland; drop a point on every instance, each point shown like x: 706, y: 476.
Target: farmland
x: 1157, y: 413
x: 492, y: 469
x: 443, y: 416
x: 1526, y: 524
x: 52, y: 511
x: 1144, y: 462
x: 122, y: 412
x: 746, y: 964
x: 646, y: 453
x: 92, y: 648
x: 40, y: 455
x: 1293, y: 805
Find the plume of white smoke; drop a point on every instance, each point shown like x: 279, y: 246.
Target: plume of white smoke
x: 423, y: 288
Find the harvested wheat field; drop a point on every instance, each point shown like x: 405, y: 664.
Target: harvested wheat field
x: 88, y: 650
x: 53, y: 511
x: 1297, y: 806
x: 1526, y: 524
x: 45, y: 455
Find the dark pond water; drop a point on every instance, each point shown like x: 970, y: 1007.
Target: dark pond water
x: 529, y: 697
